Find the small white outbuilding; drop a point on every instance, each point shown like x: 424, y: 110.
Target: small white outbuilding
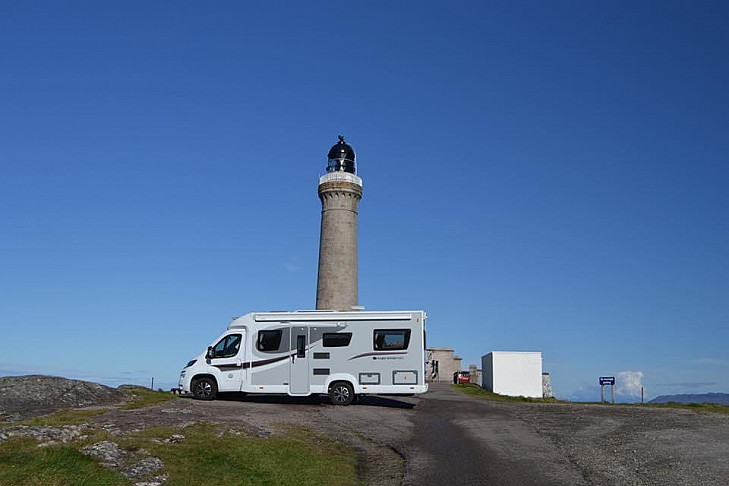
x: 512, y: 373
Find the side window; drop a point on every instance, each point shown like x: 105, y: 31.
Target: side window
x: 391, y: 339
x: 336, y: 339
x: 269, y: 340
x: 227, y: 347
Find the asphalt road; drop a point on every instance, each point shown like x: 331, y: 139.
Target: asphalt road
x: 458, y: 439
x: 461, y: 440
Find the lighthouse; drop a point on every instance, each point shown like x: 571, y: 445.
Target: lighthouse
x: 340, y: 190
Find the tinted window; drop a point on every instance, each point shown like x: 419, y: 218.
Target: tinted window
x: 227, y: 347
x: 391, y: 339
x: 336, y: 340
x: 269, y: 340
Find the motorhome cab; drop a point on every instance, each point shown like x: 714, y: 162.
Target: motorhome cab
x: 342, y: 354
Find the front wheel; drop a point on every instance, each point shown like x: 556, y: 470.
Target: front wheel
x: 204, y: 389
x: 341, y: 393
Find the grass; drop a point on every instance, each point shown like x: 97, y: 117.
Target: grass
x: 147, y: 398
x: 208, y: 454
x: 476, y: 391
x: 299, y: 457
x: 65, y: 417
x: 22, y: 462
x: 698, y: 407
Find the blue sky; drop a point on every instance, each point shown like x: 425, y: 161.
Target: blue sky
x: 538, y: 176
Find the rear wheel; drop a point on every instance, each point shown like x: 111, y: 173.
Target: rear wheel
x: 341, y: 393
x: 204, y: 388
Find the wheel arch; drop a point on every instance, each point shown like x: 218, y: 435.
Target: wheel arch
x: 203, y: 375
x: 332, y: 379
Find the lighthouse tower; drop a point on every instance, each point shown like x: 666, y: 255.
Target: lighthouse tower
x: 340, y: 190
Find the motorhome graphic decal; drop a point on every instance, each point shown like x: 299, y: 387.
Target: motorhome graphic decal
x: 376, y: 355
x: 255, y: 364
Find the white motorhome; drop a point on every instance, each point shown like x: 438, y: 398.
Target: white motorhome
x: 342, y: 354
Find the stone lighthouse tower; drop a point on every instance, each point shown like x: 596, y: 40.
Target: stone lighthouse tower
x: 340, y: 190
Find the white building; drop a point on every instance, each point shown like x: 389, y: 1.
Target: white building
x: 513, y: 373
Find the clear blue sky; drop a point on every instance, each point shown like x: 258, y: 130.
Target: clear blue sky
x: 538, y: 176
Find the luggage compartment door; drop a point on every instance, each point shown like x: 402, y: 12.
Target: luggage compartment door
x: 299, y: 364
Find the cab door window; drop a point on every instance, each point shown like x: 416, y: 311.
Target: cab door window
x: 227, y: 347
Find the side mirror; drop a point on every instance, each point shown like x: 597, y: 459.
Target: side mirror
x: 209, y: 354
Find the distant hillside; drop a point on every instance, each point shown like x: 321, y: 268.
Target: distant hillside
x: 718, y: 398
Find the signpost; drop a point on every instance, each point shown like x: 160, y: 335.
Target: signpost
x: 607, y: 380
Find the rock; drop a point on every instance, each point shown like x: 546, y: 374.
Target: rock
x: 175, y: 439
x: 109, y: 454
x: 22, y: 397
x: 155, y: 481
x: 46, y: 434
x: 177, y: 410
x: 133, y: 387
x: 145, y: 467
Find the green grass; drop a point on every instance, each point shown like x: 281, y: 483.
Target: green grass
x: 23, y: 463
x: 209, y: 454
x: 147, y: 398
x: 698, y: 407
x: 65, y: 417
x: 476, y: 391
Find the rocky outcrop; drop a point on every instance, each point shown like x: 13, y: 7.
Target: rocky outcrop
x: 22, y: 397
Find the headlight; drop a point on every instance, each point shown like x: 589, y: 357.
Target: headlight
x: 190, y: 363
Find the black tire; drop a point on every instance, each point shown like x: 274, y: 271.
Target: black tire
x: 204, y: 388
x: 341, y: 393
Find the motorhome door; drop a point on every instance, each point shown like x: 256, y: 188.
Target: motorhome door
x: 299, y: 370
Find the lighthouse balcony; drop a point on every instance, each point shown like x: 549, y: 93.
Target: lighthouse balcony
x: 340, y: 177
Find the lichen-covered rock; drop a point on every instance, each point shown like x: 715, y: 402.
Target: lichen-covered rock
x: 175, y: 439
x: 112, y: 456
x: 46, y: 434
x: 109, y: 454
x: 22, y: 397
x: 145, y: 467
x: 155, y: 481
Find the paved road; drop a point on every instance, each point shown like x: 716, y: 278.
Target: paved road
x: 461, y: 440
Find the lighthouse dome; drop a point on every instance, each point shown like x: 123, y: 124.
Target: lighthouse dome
x: 341, y: 157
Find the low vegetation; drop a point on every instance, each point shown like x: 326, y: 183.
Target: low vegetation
x: 65, y: 417
x: 476, y: 391
x: 699, y: 407
x: 208, y: 453
x: 143, y: 397
x: 22, y: 462
x: 297, y: 457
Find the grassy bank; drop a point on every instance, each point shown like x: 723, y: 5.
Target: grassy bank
x: 477, y: 391
x: 698, y: 407
x: 143, y: 397
x: 209, y: 453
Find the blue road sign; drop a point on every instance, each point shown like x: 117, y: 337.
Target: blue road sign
x: 607, y: 380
